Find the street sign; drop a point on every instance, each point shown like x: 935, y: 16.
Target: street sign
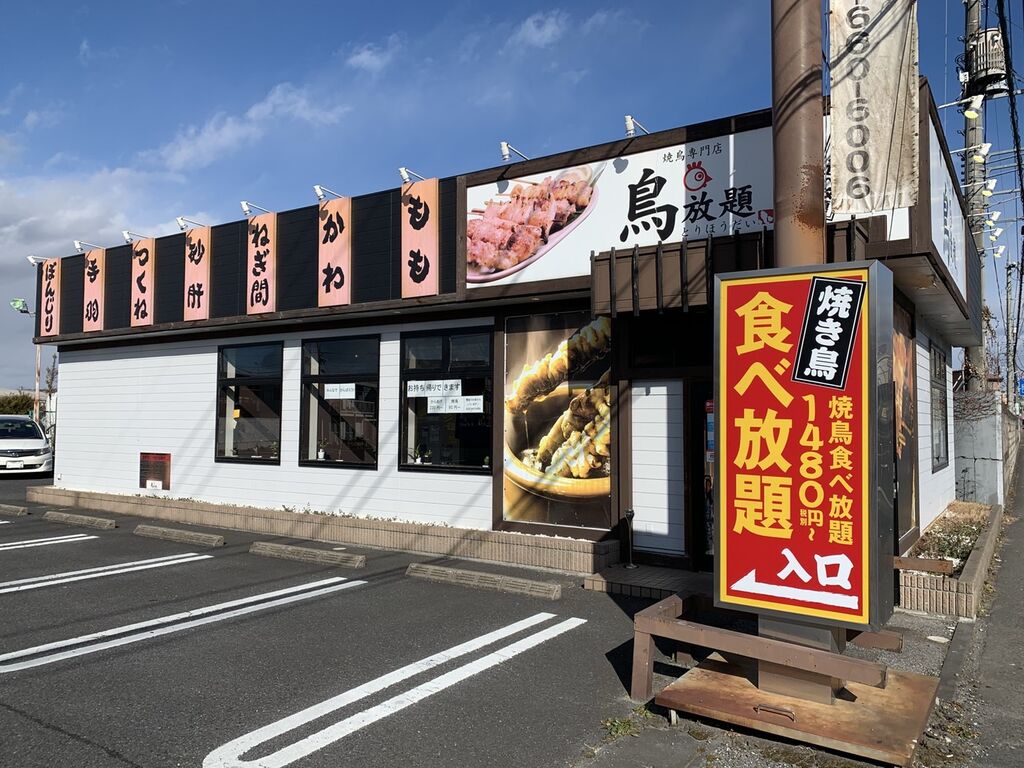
x: 805, y: 515
x: 1020, y: 387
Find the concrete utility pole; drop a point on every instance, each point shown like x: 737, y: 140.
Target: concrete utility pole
x: 974, y: 174
x: 797, y: 133
x: 798, y: 150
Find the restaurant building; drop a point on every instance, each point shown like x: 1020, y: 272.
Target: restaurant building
x: 527, y: 348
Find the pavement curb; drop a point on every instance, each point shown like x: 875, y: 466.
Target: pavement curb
x: 953, y: 663
x: 306, y: 554
x: 86, y: 521
x: 180, y: 536
x: 475, y: 579
x: 9, y: 510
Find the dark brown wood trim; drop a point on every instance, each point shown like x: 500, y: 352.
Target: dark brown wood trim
x: 460, y: 238
x: 720, y: 127
x: 498, y: 423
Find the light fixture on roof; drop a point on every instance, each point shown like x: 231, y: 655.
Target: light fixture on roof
x: 129, y: 236
x: 322, y: 192
x: 507, y: 150
x: 248, y: 206
x: 34, y: 260
x: 632, y: 124
x: 80, y: 246
x: 973, y: 109
x: 183, y: 223
x: 405, y: 173
x: 21, y: 306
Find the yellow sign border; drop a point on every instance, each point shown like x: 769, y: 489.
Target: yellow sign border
x: 724, y: 595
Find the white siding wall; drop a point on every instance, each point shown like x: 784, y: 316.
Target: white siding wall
x: 937, y: 489
x: 657, y: 416
x: 118, y: 402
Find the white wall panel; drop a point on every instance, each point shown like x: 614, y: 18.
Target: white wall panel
x: 122, y: 401
x: 658, y: 493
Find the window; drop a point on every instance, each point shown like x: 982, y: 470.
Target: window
x: 249, y: 403
x: 940, y: 415
x: 340, y: 382
x: 446, y: 401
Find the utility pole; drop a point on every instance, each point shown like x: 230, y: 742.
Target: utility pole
x: 976, y: 377
x: 798, y: 156
x: 1011, y: 371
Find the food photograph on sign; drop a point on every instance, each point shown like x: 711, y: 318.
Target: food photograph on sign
x: 558, y: 432
x: 794, y: 446
x: 544, y: 226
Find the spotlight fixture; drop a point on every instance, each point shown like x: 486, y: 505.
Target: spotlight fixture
x: 130, y: 236
x: 34, y: 260
x: 632, y: 124
x: 973, y: 109
x: 507, y: 149
x: 248, y: 206
x: 405, y: 173
x: 80, y: 245
x: 989, y: 187
x: 322, y: 192
x: 21, y: 306
x: 995, y: 233
x: 183, y: 223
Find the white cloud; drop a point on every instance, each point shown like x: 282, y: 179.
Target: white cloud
x: 199, y: 146
x: 374, y: 58
x: 36, y: 118
x: 540, y: 30
x: 84, y: 51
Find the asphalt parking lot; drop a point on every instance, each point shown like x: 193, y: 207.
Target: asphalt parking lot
x: 118, y: 650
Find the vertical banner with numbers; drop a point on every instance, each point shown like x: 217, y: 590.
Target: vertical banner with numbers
x: 143, y: 269
x: 804, y: 391
x: 335, y: 252
x: 261, y: 265
x: 94, y: 278
x: 421, y: 244
x: 197, y: 274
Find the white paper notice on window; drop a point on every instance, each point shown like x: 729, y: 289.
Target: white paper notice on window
x: 340, y: 391
x: 436, y: 404
x: 448, y: 387
x: 473, y: 404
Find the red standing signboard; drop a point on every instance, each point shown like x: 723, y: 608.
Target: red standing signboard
x: 798, y: 518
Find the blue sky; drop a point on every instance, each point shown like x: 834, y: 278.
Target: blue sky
x: 120, y: 115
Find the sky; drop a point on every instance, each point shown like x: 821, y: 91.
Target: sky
x: 124, y: 115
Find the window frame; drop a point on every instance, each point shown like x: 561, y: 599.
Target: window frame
x: 236, y: 381
x: 933, y: 383
x: 404, y: 375
x: 305, y: 379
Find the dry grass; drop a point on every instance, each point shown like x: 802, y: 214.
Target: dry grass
x: 953, y: 535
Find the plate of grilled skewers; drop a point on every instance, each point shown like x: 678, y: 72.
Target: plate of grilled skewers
x: 558, y: 439
x: 516, y: 228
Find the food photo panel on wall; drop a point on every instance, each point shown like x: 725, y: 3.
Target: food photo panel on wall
x: 544, y: 226
x: 557, y: 466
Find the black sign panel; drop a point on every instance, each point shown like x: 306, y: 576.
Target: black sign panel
x: 829, y: 328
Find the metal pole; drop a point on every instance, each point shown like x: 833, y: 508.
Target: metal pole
x: 35, y: 403
x: 798, y: 149
x: 798, y: 145
x: 1010, y: 368
x: 974, y: 133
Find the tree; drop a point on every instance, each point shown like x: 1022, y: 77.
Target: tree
x: 16, y: 403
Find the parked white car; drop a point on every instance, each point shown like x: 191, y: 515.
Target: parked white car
x: 23, y: 447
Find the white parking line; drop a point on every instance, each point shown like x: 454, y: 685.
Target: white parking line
x: 72, y: 539
x: 38, y: 582
x: 5, y: 522
x: 230, y: 755
x: 252, y: 604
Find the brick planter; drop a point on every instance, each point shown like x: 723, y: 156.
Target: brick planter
x: 550, y: 552
x: 958, y: 596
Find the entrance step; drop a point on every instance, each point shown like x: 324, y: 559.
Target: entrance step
x: 648, y: 581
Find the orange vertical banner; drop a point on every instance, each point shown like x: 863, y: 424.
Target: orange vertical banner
x: 197, y: 274
x: 143, y: 269
x: 92, y: 300
x: 420, y: 239
x: 49, y: 303
x: 261, y: 291
x: 335, y: 238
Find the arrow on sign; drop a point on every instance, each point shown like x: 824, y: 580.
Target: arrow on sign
x: 749, y: 583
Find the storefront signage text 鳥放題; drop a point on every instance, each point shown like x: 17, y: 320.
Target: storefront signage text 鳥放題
x: 544, y: 226
x: 795, y: 373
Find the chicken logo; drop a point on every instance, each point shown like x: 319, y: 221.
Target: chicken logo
x: 696, y: 178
